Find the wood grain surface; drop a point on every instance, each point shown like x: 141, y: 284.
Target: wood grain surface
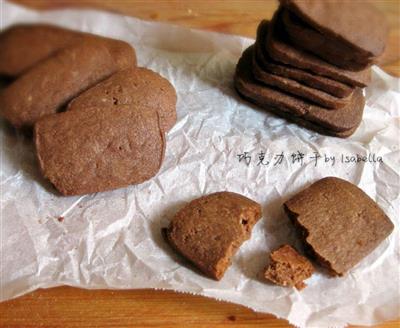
x: 73, y: 307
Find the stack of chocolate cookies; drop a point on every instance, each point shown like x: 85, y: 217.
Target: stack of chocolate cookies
x: 311, y: 61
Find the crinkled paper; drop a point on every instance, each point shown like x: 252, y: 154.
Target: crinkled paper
x: 220, y: 142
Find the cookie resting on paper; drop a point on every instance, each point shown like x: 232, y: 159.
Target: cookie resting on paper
x: 137, y: 87
x: 209, y: 230
x: 52, y: 83
x: 338, y: 223
x: 288, y: 268
x: 99, y: 148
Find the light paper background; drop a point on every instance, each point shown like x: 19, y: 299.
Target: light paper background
x: 113, y: 239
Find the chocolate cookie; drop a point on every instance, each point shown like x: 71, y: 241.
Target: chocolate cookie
x: 23, y: 46
x: 99, y: 148
x: 304, y: 37
x: 279, y: 48
x: 311, y: 126
x: 338, y: 222
x: 48, y: 86
x: 288, y: 268
x: 293, y: 87
x: 358, y: 30
x: 330, y: 86
x: 140, y: 88
x: 340, y: 120
x: 209, y: 230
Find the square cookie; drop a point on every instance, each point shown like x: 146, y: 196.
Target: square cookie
x: 338, y: 222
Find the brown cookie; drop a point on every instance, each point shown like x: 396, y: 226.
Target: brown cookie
x: 140, y: 88
x: 279, y: 48
x: 50, y: 85
x: 359, y: 30
x: 304, y: 37
x: 288, y: 268
x: 311, y: 126
x: 99, y: 148
x: 23, y: 46
x: 209, y: 230
x: 293, y: 87
x: 338, y: 222
x: 330, y: 86
x: 340, y: 120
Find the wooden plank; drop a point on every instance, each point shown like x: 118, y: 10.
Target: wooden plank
x: 73, y: 307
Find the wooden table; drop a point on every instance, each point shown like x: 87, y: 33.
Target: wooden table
x: 72, y: 307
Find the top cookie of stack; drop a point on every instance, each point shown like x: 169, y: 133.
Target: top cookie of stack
x: 310, y: 62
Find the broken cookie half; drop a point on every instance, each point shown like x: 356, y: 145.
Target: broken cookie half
x: 209, y: 230
x: 339, y: 223
x: 288, y: 268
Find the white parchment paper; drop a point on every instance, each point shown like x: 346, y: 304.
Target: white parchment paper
x: 113, y: 239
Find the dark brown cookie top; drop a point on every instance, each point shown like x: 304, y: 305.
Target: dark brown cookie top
x: 209, y: 230
x: 99, y: 148
x: 23, y: 46
x: 337, y: 53
x: 341, y: 119
x: 339, y: 222
x: 288, y: 268
x: 280, y: 49
x: 48, y: 86
x: 140, y: 88
x: 356, y: 24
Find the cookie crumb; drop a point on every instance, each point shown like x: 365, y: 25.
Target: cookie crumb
x: 288, y: 268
